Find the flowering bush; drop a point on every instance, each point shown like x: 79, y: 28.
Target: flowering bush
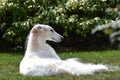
x: 77, y: 17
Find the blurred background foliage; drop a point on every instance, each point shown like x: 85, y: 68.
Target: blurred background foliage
x: 73, y: 18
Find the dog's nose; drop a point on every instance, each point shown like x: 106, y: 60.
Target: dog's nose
x: 62, y: 37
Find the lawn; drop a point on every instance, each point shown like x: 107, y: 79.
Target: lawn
x: 9, y: 65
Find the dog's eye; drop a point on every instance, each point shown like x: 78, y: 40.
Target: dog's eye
x: 39, y: 27
x: 51, y: 30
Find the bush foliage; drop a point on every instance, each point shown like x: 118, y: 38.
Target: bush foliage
x: 74, y: 16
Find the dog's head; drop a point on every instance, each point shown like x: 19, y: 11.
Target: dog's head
x: 46, y: 32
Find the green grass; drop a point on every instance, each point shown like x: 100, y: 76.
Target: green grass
x: 9, y: 66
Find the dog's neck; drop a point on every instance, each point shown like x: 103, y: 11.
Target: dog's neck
x: 35, y: 42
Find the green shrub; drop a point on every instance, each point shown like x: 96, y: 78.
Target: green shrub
x: 75, y: 16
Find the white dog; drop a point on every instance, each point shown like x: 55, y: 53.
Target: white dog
x: 41, y: 59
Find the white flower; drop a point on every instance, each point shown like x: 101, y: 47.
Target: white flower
x: 104, y: 0
x: 108, y: 10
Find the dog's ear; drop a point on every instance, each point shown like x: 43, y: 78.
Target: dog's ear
x: 36, y: 29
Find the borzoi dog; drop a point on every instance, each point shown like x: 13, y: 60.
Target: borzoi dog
x: 41, y: 59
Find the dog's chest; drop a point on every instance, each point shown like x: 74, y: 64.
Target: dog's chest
x: 45, y: 52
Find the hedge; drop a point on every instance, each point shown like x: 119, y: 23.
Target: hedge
x: 72, y: 17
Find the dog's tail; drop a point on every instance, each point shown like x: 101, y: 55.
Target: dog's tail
x: 74, y: 67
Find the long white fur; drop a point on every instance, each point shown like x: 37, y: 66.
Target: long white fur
x: 41, y: 59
